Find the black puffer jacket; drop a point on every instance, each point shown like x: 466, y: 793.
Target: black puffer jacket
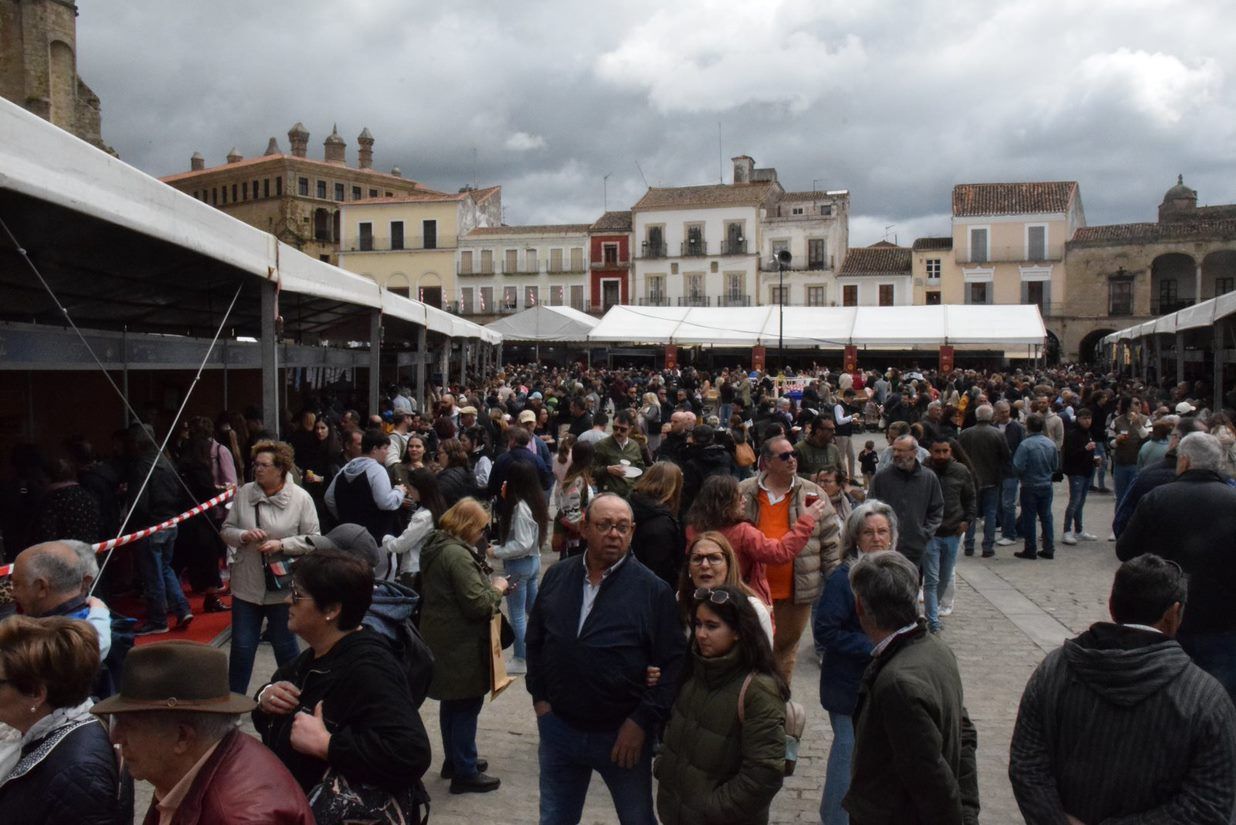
x: 456, y: 483
x: 702, y: 463
x: 658, y: 542
x: 69, y: 777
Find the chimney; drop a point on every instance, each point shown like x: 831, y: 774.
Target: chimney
x: 298, y: 137
x: 272, y: 148
x: 234, y: 156
x: 743, y: 167
x: 197, y: 163
x: 364, y: 154
x: 336, y: 149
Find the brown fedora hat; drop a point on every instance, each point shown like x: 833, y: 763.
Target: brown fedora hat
x: 175, y: 676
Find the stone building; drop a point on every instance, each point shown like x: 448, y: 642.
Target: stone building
x: 294, y: 197
x: 1123, y: 273
x: 38, y: 66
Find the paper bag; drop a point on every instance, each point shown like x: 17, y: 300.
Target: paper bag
x: 498, y: 680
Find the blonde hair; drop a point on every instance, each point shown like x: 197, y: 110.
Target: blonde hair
x: 733, y: 575
x: 465, y: 519
x: 662, y: 483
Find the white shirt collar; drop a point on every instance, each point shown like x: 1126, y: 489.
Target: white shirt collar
x: 888, y: 640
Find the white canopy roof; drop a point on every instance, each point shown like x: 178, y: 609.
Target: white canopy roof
x: 47, y: 163
x: 545, y: 323
x: 1196, y: 316
x: 903, y: 327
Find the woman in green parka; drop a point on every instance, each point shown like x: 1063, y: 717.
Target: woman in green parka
x: 715, y: 768
x: 459, y: 599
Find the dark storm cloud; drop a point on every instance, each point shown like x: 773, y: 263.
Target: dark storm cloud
x: 895, y: 102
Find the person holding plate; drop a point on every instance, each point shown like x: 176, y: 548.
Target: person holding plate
x: 617, y: 459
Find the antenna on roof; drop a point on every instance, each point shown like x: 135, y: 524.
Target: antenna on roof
x: 888, y: 227
x: 474, y: 175
x: 720, y: 152
x: 641, y: 173
x: 605, y: 190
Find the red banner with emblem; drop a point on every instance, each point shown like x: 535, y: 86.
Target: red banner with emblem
x: 946, y: 359
x: 851, y: 358
x: 757, y: 358
x: 671, y: 357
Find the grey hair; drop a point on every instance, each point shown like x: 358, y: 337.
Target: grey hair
x: 1002, y: 405
x: 858, y: 516
x: 935, y: 405
x: 209, y: 727
x: 985, y: 412
x: 887, y: 584
x: 911, y: 439
x: 60, y: 576
x: 1203, y: 451
x: 85, y: 555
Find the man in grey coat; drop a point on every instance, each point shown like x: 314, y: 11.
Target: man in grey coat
x: 989, y: 453
x: 914, y: 494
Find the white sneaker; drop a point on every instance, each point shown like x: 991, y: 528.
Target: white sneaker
x: 1069, y: 539
x: 1111, y: 536
x: 946, y: 610
x: 516, y: 667
x: 1084, y: 536
x: 1003, y: 542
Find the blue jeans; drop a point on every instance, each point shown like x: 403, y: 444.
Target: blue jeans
x: 1008, y: 509
x: 1123, y: 475
x: 1214, y: 653
x: 837, y: 775
x: 567, y: 759
x: 159, y: 580
x: 247, y: 632
x: 939, y: 559
x: 1036, y: 501
x: 1100, y: 472
x: 457, y: 718
x: 723, y: 416
x: 523, y: 574
x: 1079, y: 486
x: 988, y: 506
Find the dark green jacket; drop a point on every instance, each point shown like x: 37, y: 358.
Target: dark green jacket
x: 813, y: 459
x: 458, y: 604
x: 714, y: 769
x: 914, y: 745
x: 606, y: 453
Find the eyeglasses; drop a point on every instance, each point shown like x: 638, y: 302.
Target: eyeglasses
x: 712, y: 560
x: 713, y: 596
x: 788, y: 455
x: 257, y: 465
x: 299, y: 595
x: 623, y: 527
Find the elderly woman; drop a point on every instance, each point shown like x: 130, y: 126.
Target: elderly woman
x: 845, y: 649
x: 340, y: 716
x: 269, y: 523
x: 67, y: 772
x: 460, y: 598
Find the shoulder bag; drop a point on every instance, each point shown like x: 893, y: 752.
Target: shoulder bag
x: 795, y: 725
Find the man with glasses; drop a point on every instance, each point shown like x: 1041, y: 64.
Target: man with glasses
x: 618, y: 459
x: 598, y: 624
x: 914, y: 494
x: 774, y: 500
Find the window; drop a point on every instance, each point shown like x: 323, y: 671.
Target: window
x: 817, y: 296
x: 1036, y: 243
x: 797, y: 210
x: 1169, y: 294
x: 530, y: 260
x: 1120, y: 297
x: 532, y: 296
x: 1035, y: 292
x: 555, y: 260
x: 609, y: 253
x: 430, y: 234
x: 655, y: 284
x: 511, y: 263
x: 279, y: 187
x: 887, y: 292
x: 303, y: 187
x: 510, y: 297
x: 1224, y: 285
x: 465, y: 262
x: 577, y: 259
x: 849, y: 295
x: 817, y: 253
x: 735, y: 239
x: 733, y: 285
x: 695, y: 240
x: 214, y: 197
x: 693, y: 286
x: 978, y: 245
x: 933, y: 269
x: 234, y: 191
x: 224, y: 188
x: 465, y: 301
x: 978, y: 293
x: 826, y: 209
x: 338, y: 191
x: 487, y: 261
x: 778, y: 295
x: 366, y: 236
x: 266, y: 187
x: 933, y: 297
x: 654, y: 244
x: 777, y: 248
x: 557, y: 295
x: 322, y: 189
x: 373, y: 193
x: 356, y: 193
x: 487, y: 299
x: 577, y: 297
x: 396, y: 234
x: 244, y: 191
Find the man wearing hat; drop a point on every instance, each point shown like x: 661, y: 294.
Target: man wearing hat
x: 527, y: 419
x: 175, y: 723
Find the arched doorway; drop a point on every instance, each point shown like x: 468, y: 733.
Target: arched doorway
x: 1088, y: 349
x: 1219, y: 273
x: 399, y: 284
x: 429, y: 289
x: 1173, y: 283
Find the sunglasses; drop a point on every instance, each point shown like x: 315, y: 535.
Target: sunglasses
x: 713, y: 596
x: 787, y: 455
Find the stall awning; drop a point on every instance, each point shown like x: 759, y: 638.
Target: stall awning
x: 545, y: 324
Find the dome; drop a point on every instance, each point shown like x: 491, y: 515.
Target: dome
x: 298, y: 129
x: 333, y: 137
x: 1180, y: 191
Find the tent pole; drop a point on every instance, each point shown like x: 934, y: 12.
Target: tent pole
x: 1179, y: 357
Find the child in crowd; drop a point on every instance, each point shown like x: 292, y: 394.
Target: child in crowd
x: 867, y: 460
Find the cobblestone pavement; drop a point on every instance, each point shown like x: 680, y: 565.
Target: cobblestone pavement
x: 1009, y: 613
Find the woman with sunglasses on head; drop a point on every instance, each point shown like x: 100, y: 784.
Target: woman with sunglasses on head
x: 723, y: 754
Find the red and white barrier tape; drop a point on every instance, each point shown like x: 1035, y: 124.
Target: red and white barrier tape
x: 104, y: 546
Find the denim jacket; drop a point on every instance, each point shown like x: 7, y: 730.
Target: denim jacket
x: 1036, y: 460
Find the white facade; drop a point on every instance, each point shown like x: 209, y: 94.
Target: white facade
x: 708, y: 256
x: 867, y: 288
x: 502, y: 272
x: 814, y: 228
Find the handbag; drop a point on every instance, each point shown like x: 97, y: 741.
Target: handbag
x: 276, y: 567
x: 795, y: 725
x: 744, y: 456
x: 336, y: 801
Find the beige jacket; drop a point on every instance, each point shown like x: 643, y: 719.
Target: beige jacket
x: 288, y: 515
x: 822, y: 553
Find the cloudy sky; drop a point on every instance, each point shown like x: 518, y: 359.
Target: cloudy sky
x: 895, y: 101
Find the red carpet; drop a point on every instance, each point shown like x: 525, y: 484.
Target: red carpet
x: 204, y: 628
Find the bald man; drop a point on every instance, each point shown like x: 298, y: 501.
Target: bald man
x: 48, y: 581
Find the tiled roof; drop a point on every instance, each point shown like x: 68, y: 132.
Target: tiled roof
x: 549, y: 229
x: 482, y: 195
x: 973, y: 199
x: 805, y: 196
x: 326, y: 169
x: 921, y: 244
x: 613, y: 222
x: 717, y: 194
x: 882, y: 258
x: 1122, y: 233
x: 478, y: 195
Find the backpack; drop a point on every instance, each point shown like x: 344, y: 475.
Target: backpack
x: 795, y: 725
x: 391, y: 616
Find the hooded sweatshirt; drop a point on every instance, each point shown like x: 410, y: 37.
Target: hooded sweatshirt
x: 1119, y: 722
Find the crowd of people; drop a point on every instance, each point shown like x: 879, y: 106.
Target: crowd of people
x: 701, y: 522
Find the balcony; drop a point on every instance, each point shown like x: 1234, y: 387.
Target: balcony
x: 733, y: 247
x: 567, y: 269
x: 694, y: 248
x: 654, y: 250
x: 695, y: 301
x: 655, y: 300
x: 810, y: 266
x: 1007, y: 254
x: 373, y: 243
x: 626, y: 264
x: 733, y: 299
x: 473, y: 271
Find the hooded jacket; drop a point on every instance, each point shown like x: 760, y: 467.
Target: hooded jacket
x: 702, y: 463
x: 1123, y: 696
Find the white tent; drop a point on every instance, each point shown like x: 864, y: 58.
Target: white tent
x: 1196, y: 316
x: 545, y: 324
x: 903, y: 327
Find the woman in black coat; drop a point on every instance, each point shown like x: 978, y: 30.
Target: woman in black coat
x: 659, y: 542
x: 67, y: 772
x: 456, y: 480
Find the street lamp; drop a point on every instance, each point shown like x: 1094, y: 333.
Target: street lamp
x: 783, y: 260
